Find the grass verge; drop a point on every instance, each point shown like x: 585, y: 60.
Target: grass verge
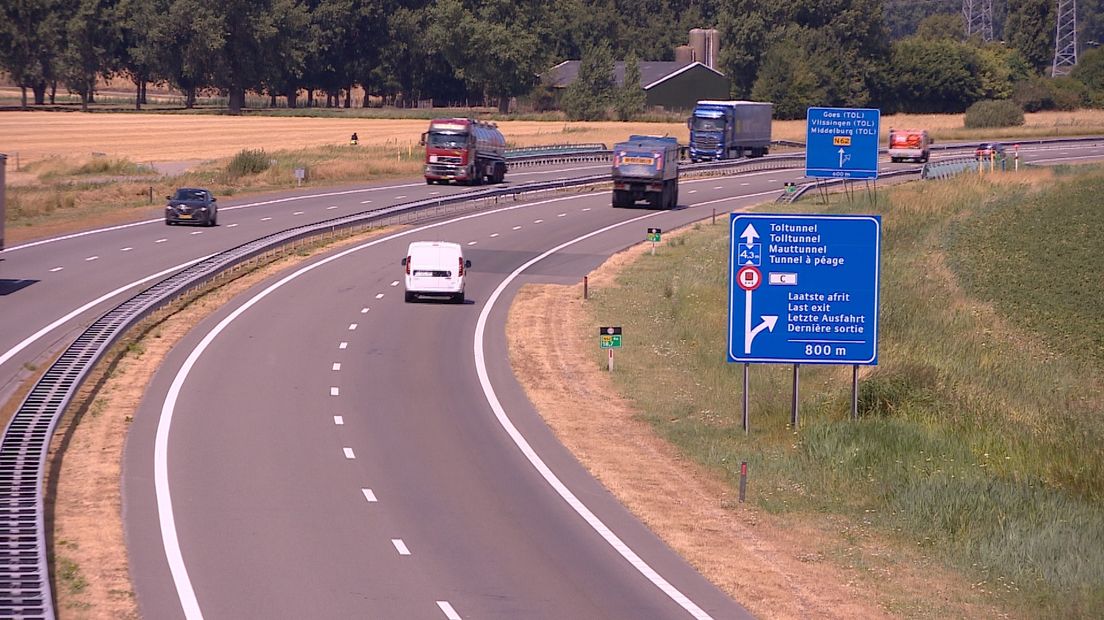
x: 978, y: 436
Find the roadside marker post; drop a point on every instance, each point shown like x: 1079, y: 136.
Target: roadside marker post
x: 609, y: 338
x: 653, y: 236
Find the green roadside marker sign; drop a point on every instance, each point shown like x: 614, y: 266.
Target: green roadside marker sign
x: 653, y: 234
x: 791, y: 187
x: 609, y: 337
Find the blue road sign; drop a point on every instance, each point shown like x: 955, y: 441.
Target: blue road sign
x: 808, y: 293
x: 842, y: 143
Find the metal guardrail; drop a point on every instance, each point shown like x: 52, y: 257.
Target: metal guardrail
x: 948, y: 168
x: 552, y: 150
x: 25, y: 592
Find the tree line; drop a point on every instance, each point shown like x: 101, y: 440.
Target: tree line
x: 892, y: 54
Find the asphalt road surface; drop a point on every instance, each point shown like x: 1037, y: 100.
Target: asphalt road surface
x: 332, y: 452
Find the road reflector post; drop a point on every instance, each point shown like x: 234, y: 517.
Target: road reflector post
x: 743, y: 480
x: 585, y: 287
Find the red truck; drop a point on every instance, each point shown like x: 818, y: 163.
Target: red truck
x: 464, y: 150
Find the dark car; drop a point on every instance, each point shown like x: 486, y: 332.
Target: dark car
x: 191, y: 205
x: 990, y: 149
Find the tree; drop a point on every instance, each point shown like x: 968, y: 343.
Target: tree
x: 188, y: 43
x: 629, y: 98
x: 91, y: 48
x: 139, y: 24
x: 788, y: 79
x: 942, y: 26
x: 1090, y: 69
x: 589, y: 96
x: 999, y: 68
x: 492, y: 48
x: 743, y: 26
x: 1030, y: 30
x: 938, y: 77
x: 29, y: 35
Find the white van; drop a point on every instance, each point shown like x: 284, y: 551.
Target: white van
x: 435, y: 268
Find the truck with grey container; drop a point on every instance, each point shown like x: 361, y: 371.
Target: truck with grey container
x: 730, y: 129
x: 646, y: 168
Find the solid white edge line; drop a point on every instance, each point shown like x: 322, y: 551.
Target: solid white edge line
x: 449, y: 612
x: 535, y: 460
x: 102, y: 298
x: 167, y: 521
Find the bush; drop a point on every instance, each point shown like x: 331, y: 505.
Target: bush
x: 1069, y: 94
x: 1033, y: 95
x: 248, y: 162
x: 999, y: 113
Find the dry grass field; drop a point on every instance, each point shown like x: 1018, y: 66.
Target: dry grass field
x: 69, y: 170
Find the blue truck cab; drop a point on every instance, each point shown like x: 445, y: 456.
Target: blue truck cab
x: 729, y: 129
x: 646, y: 167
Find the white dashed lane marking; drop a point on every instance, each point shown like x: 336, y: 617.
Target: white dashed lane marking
x: 586, y: 209
x: 744, y: 184
x: 56, y: 269
x: 449, y: 612
x: 394, y: 283
x: 400, y: 546
x: 125, y: 249
x: 364, y: 202
x: 693, y: 191
x: 265, y: 219
x: 537, y: 221
x: 161, y: 241
x: 400, y: 197
x: 517, y: 227
x: 231, y: 225
x: 196, y: 232
x: 349, y: 453
x: 562, y: 215
x: 472, y: 242
x: 368, y: 495
x: 719, y: 187
x: 91, y: 258
x: 493, y: 235
x: 343, y: 345
x: 298, y: 213
x: 352, y: 326
x: 339, y: 420
x: 379, y: 295
x: 331, y: 208
x: 335, y: 391
x: 336, y: 366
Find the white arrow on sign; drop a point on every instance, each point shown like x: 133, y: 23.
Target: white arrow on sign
x: 841, y: 157
x: 749, y: 234
x: 749, y: 333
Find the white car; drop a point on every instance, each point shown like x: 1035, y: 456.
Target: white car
x: 435, y: 268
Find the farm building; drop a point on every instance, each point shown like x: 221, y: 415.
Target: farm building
x: 672, y: 85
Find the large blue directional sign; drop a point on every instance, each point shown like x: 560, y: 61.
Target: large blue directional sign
x: 803, y: 289
x: 842, y: 143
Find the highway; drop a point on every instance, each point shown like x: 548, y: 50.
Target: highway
x: 332, y: 452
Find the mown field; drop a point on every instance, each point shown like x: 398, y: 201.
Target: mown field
x: 70, y: 170
x: 978, y: 442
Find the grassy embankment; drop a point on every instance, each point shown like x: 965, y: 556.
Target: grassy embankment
x: 980, y: 431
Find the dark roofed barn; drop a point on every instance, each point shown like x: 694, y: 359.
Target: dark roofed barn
x: 670, y: 85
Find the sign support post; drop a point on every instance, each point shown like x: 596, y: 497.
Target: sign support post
x: 747, y: 423
x: 855, y: 392
x: 794, y: 402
